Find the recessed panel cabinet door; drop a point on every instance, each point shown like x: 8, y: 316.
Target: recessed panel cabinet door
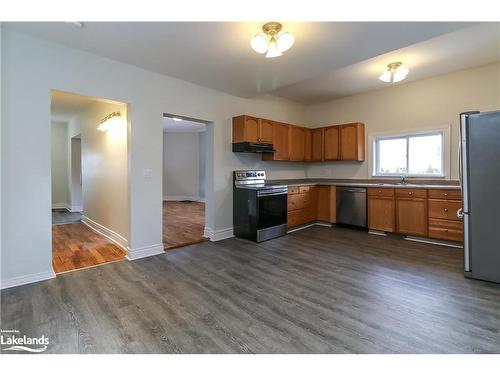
x: 266, y: 131
x: 280, y: 143
x: 352, y: 142
x: 411, y: 216
x: 317, y: 144
x: 308, y: 145
x: 297, y: 143
x: 331, y: 143
x: 381, y: 213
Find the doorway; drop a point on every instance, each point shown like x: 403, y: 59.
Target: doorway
x: 89, y: 181
x: 185, y: 152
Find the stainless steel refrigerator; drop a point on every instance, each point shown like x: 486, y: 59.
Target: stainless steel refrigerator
x: 480, y: 181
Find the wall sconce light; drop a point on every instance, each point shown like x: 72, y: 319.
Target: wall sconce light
x: 105, y: 123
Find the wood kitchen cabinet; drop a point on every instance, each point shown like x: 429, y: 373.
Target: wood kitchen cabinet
x: 381, y: 209
x: 301, y: 205
x: 252, y: 129
x: 352, y: 141
x: 280, y: 143
x: 326, y: 204
x: 443, y: 221
x: 296, y: 143
x: 317, y: 144
x: 331, y: 149
x: 411, y: 212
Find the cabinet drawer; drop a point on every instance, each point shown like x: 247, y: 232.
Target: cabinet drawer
x: 449, y: 224
x: 444, y: 209
x: 445, y: 194
x: 304, y: 189
x: 299, y: 201
x: 411, y: 193
x: 380, y: 192
x: 293, y: 190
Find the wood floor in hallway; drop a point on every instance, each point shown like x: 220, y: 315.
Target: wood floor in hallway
x: 183, y: 223
x: 318, y: 290
x: 77, y: 246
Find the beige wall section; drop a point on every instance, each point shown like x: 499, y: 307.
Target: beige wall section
x: 59, y: 164
x: 431, y: 103
x: 104, y: 167
x: 181, y: 165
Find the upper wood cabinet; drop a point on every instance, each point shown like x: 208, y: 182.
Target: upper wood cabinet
x: 297, y: 143
x: 331, y: 143
x: 308, y: 144
x: 352, y: 141
x: 252, y: 129
x: 316, y: 144
x: 280, y: 143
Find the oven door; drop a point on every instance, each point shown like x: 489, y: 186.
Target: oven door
x: 272, y: 208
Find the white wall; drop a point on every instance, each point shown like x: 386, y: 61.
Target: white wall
x: 59, y: 164
x: 181, y: 166
x: 105, y: 167
x: 75, y: 174
x: 202, y: 157
x: 429, y: 103
x: 32, y: 67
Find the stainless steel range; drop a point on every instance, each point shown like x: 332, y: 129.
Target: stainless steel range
x: 259, y: 209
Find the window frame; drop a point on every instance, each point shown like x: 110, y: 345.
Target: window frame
x: 407, y: 135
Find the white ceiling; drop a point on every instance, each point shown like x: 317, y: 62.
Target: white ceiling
x: 64, y: 106
x: 182, y: 126
x: 218, y: 54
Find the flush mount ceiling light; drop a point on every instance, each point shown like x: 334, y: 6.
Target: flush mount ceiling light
x: 395, y: 72
x: 106, y: 122
x: 272, y: 42
x: 176, y: 119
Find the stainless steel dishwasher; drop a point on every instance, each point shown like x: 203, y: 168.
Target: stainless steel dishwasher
x: 351, y: 206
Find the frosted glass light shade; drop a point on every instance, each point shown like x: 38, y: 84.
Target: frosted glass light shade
x: 285, y: 41
x: 385, y: 76
x: 272, y: 49
x: 400, y: 74
x: 259, y: 43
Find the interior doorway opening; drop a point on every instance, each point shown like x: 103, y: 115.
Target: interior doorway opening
x: 89, y: 181
x: 185, y: 155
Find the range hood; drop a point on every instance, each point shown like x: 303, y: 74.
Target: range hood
x: 253, y: 147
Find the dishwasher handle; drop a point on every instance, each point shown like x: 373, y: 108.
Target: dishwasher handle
x: 352, y: 189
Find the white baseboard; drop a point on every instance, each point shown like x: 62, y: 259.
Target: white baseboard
x: 218, y: 235
x: 108, y: 233
x: 178, y: 198
x: 27, y: 279
x: 59, y: 206
x: 145, y: 251
x: 75, y: 208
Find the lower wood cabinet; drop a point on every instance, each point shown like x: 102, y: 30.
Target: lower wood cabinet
x: 411, y: 211
x: 307, y: 204
x: 381, y: 209
x: 443, y: 221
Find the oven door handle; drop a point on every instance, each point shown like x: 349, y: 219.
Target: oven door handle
x: 270, y: 193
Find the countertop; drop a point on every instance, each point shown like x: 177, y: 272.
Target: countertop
x: 388, y: 183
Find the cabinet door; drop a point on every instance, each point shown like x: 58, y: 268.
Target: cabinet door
x: 331, y: 143
x: 381, y: 212
x: 297, y: 143
x: 280, y: 143
x: 317, y: 144
x: 265, y: 131
x: 245, y: 129
x: 352, y: 142
x: 411, y: 216
x: 323, y: 203
x: 308, y: 145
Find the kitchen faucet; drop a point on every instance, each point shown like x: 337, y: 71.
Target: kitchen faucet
x: 403, y: 180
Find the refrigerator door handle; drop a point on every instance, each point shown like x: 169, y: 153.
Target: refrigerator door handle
x: 460, y: 213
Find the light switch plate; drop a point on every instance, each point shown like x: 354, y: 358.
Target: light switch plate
x: 147, y: 173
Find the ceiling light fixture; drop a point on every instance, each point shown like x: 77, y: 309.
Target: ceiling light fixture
x: 105, y: 123
x: 395, y: 72
x: 176, y: 119
x: 272, y: 42
x: 76, y: 24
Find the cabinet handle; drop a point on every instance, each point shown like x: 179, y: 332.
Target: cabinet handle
x: 445, y: 194
x: 380, y: 191
x: 445, y: 210
x: 410, y: 193
x: 446, y: 230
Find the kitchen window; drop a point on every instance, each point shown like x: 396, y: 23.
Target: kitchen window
x: 415, y: 154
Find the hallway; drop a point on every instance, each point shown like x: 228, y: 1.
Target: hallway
x: 183, y: 223
x: 75, y: 246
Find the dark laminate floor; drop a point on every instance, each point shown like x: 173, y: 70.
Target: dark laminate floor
x: 319, y: 290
